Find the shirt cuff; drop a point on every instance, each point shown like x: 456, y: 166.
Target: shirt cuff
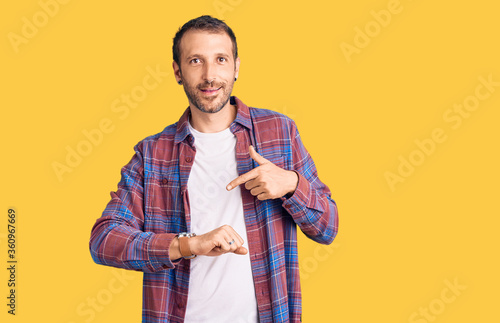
x: 300, y: 198
x: 159, y: 254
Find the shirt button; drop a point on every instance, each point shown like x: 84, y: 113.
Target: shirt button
x: 189, y: 159
x: 164, y: 181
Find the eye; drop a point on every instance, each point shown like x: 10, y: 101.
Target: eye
x: 222, y: 59
x: 195, y: 61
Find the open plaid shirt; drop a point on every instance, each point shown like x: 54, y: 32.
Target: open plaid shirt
x: 151, y: 206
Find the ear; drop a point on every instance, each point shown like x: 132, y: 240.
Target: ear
x: 237, y: 67
x: 177, y: 71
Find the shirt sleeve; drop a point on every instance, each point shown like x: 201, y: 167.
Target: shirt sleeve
x: 117, y: 237
x: 311, y: 205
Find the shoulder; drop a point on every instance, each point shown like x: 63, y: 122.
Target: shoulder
x: 163, y: 139
x: 266, y: 116
x: 260, y: 113
x: 273, y: 123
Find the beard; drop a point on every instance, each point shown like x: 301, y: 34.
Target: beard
x: 211, y: 104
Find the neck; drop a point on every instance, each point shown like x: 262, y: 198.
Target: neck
x: 213, y: 122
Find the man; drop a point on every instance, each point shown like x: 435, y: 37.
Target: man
x: 208, y: 208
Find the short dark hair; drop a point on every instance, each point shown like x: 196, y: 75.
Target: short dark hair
x: 206, y: 23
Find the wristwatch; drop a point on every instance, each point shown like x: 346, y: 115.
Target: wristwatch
x: 184, y: 246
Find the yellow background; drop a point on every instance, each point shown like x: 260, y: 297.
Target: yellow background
x: 397, y: 250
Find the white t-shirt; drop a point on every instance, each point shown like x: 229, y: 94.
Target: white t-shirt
x: 221, y: 289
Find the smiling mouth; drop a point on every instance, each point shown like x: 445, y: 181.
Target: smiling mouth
x: 210, y: 90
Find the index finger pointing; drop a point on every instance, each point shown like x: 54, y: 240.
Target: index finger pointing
x: 241, y: 179
x: 256, y: 156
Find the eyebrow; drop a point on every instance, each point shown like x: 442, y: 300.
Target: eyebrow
x: 200, y: 55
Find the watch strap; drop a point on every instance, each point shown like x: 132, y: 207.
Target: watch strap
x: 184, y: 247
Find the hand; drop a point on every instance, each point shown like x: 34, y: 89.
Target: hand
x: 267, y: 181
x: 216, y: 242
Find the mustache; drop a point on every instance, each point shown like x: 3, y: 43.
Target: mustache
x: 213, y: 84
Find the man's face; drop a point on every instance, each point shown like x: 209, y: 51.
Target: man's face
x: 207, y: 69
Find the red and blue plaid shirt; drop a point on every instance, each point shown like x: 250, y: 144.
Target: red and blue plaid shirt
x: 151, y: 206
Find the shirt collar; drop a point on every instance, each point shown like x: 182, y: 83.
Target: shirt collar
x: 242, y: 117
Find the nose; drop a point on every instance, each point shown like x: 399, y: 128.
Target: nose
x: 209, y: 72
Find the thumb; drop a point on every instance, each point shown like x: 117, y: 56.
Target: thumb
x: 255, y: 156
x: 241, y: 251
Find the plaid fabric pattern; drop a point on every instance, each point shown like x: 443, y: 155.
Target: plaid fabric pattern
x: 151, y: 206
